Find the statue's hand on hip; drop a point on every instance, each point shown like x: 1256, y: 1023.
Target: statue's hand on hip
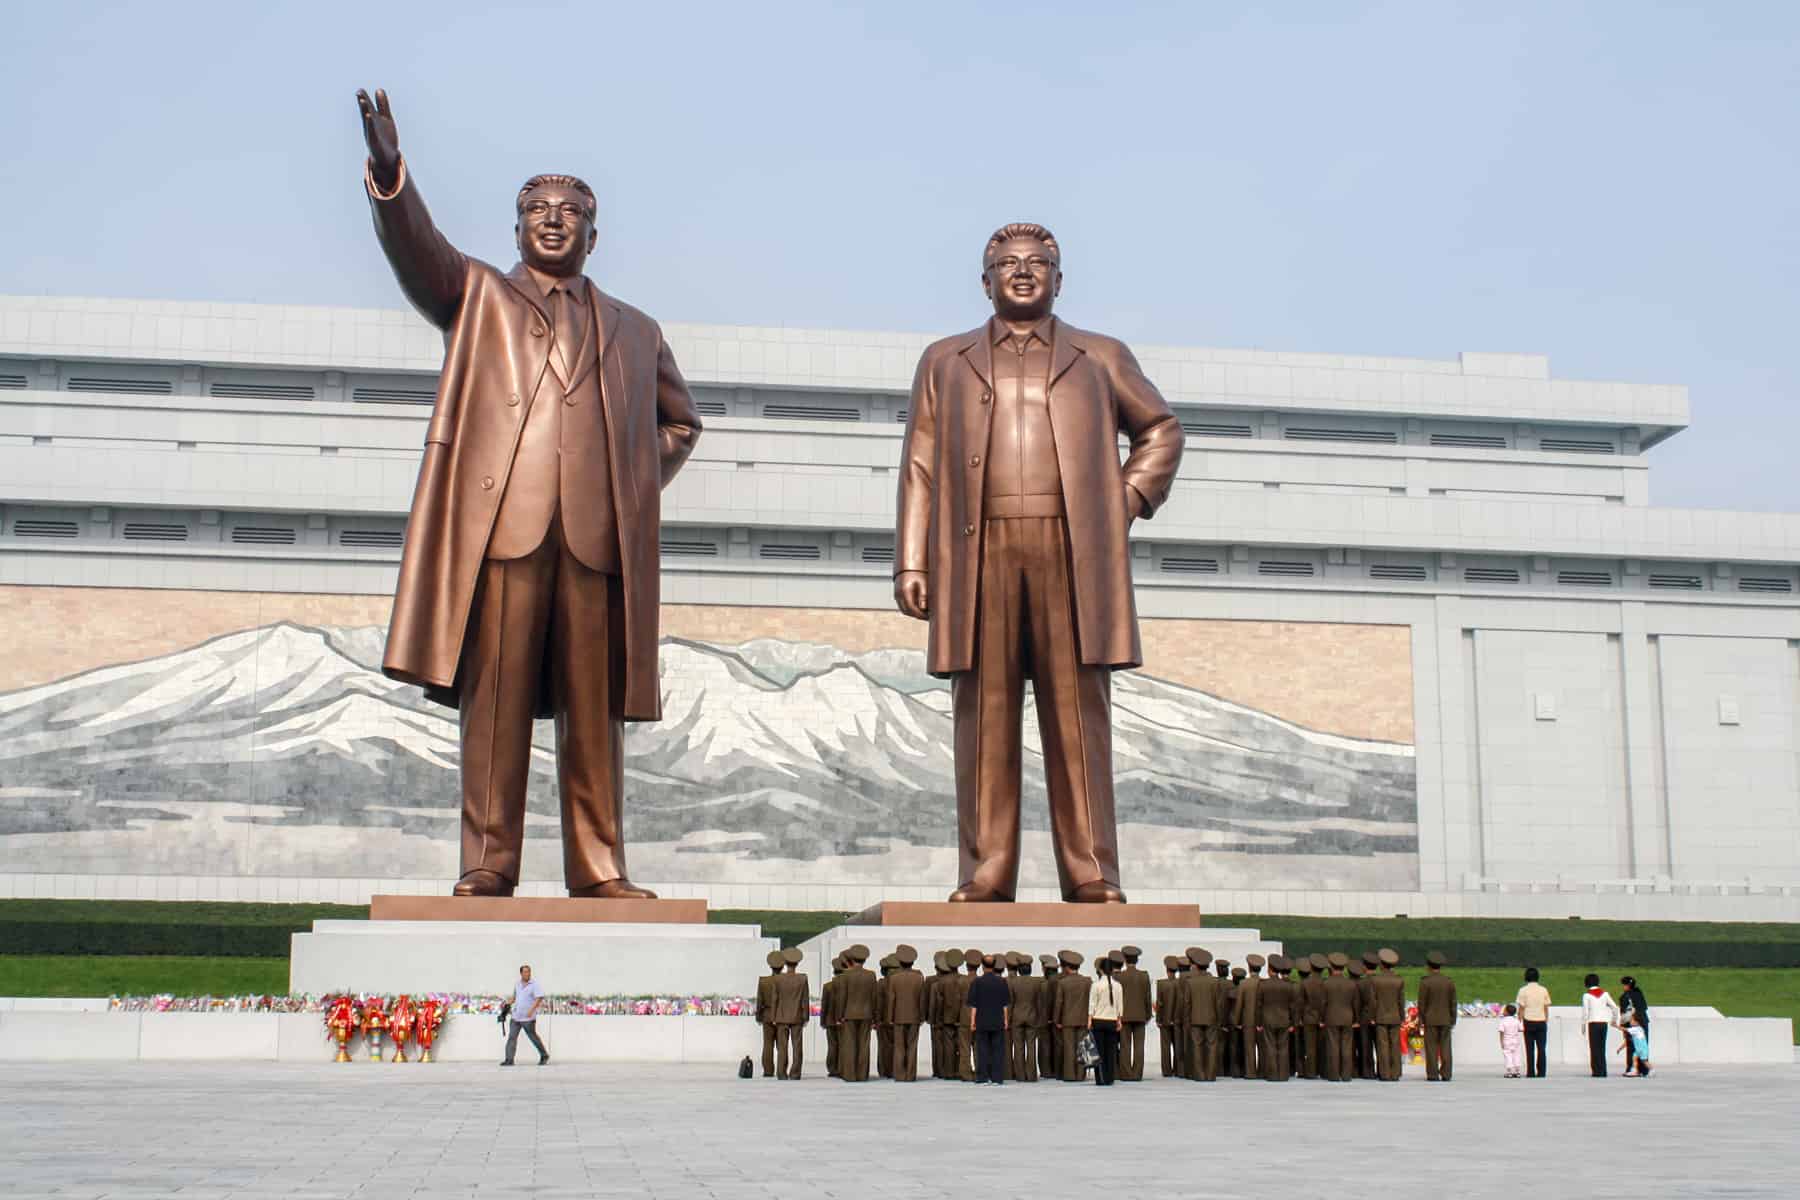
x: 910, y: 593
x: 382, y: 137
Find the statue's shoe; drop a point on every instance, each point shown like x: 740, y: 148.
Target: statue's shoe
x: 482, y: 883
x: 978, y: 893
x: 1096, y: 891
x: 613, y: 889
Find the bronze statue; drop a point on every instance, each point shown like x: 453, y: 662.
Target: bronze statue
x: 1014, y: 515
x: 529, y: 583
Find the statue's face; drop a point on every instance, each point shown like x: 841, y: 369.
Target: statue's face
x: 1022, y: 279
x: 554, y: 231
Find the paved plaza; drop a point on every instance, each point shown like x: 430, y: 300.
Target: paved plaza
x: 442, y: 1131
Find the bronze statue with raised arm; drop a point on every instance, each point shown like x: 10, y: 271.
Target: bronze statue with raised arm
x: 529, y: 584
x: 1014, y: 518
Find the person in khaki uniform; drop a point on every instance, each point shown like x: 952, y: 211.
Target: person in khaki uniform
x: 1340, y: 1019
x: 1365, y: 991
x: 830, y: 1016
x: 859, y: 1014
x: 965, y: 1033
x: 1200, y: 994
x: 929, y: 1012
x: 1312, y: 1013
x: 1072, y: 988
x: 1301, y: 975
x: 1275, y: 1004
x: 884, y: 1038
x: 1359, y: 1034
x: 1134, y: 1014
x: 1226, y: 1038
x: 1321, y: 966
x: 1022, y: 1029
x: 1046, y: 1018
x: 765, y: 1009
x: 1185, y: 970
x: 1165, y: 1017
x: 1389, y: 1015
x: 1437, y: 1013
x: 793, y: 1006
x: 951, y: 1000
x: 1246, y: 1014
x: 905, y: 1009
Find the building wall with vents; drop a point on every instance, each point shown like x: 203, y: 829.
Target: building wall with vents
x: 1598, y: 695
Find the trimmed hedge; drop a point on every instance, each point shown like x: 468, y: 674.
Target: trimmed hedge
x: 1517, y: 943
x: 166, y: 928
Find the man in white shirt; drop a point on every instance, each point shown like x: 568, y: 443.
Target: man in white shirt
x: 527, y: 996
x: 1106, y: 1001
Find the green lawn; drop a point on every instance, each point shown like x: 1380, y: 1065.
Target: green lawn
x: 74, y: 975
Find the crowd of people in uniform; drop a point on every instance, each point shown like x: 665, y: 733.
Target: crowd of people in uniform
x: 1314, y: 1016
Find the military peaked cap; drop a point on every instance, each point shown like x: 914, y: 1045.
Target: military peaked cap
x: 1389, y: 958
x: 1131, y: 952
x: 1436, y: 959
x: 1339, y: 959
x: 1319, y: 962
x: 1069, y: 958
x: 858, y: 953
x: 1199, y: 956
x: 907, y: 955
x: 775, y: 959
x: 792, y: 954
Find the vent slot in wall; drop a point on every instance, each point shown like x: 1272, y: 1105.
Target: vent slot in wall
x: 41, y: 528
x: 264, y: 535
x: 1376, y: 437
x: 878, y: 554
x: 1585, y: 578
x: 1576, y: 446
x: 1753, y: 583
x: 1405, y: 571
x: 1289, y: 569
x: 372, y: 539
x: 688, y: 548
x: 130, y: 387
x: 1183, y: 565
x: 155, y: 531
x: 1689, y: 583
x: 810, y: 412
x: 789, y: 551
x: 261, y: 391
x: 393, y: 395
x: 1210, y: 429
x: 710, y: 408
x: 1490, y: 575
x: 12, y: 382
x: 1469, y: 441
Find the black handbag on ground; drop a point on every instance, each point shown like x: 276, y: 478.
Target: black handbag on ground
x: 746, y: 1069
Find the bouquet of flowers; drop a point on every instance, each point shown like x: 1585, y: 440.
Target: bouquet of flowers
x: 342, y: 1019
x: 374, y: 1020
x: 400, y: 1024
x: 432, y: 1015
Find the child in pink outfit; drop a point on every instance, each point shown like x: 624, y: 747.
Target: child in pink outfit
x: 1512, y: 1042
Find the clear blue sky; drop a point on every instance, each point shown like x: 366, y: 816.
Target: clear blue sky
x: 1614, y: 185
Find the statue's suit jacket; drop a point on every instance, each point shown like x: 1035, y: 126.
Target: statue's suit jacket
x: 498, y: 340
x: 1096, y: 390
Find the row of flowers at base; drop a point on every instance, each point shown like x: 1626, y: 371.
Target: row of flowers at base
x: 457, y: 1003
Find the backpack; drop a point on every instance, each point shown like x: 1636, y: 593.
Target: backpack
x: 746, y: 1069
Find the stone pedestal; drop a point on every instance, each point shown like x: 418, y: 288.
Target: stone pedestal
x: 944, y: 914
x: 482, y: 956
x: 537, y: 908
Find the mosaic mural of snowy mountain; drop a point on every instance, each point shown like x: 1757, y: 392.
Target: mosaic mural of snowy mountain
x: 769, y: 752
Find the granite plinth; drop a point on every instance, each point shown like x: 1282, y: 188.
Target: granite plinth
x: 483, y: 957
x: 945, y: 914
x: 537, y: 908
x: 1233, y: 944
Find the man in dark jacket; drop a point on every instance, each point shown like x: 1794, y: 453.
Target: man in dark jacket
x: 988, y: 1001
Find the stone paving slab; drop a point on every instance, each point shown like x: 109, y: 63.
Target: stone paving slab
x: 80, y: 1131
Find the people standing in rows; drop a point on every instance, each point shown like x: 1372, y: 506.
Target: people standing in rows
x: 884, y: 1043
x: 1533, y: 1002
x: 1165, y: 999
x: 1048, y: 1067
x: 793, y: 1006
x: 904, y: 1010
x: 1105, y: 1010
x: 859, y: 1015
x: 831, y: 1016
x: 1071, y: 1015
x: 765, y: 1010
x: 1598, y: 1013
x: 1632, y: 1004
x: 1135, y: 1015
x: 1340, y: 1019
x: 1388, y: 1014
x: 1437, y: 1013
x: 1022, y: 1025
x: 988, y: 1000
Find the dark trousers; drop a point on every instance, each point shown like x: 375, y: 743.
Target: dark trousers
x: 884, y: 1051
x: 1025, y: 628
x: 1338, y: 1066
x: 943, y: 1051
x: 529, y: 1029
x: 789, y: 1053
x: 1046, y: 1051
x: 1437, y: 1051
x: 965, y: 1054
x: 1171, y: 1058
x: 1068, y: 1037
x: 1597, y: 1048
x: 906, y: 1051
x: 1387, y: 1052
x: 1537, y: 1041
x: 853, y: 1051
x: 768, y: 1054
x: 1106, y: 1041
x: 1272, y: 1046
x: 990, y: 1056
x: 1203, y: 1053
x: 543, y: 614
x: 831, y: 1051
x: 1309, y: 1052
x: 1131, y: 1050
x: 1022, y: 1046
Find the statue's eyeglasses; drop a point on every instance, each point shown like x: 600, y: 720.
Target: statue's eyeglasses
x: 1034, y: 264
x: 569, y: 209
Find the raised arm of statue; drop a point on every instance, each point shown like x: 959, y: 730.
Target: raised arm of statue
x: 431, y: 271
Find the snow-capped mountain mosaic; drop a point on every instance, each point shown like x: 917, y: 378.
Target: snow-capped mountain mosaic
x: 284, y: 750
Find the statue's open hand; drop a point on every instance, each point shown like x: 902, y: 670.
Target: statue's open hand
x: 381, y: 135
x: 910, y: 594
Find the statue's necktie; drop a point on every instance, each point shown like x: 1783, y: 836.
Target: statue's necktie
x: 567, y: 312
